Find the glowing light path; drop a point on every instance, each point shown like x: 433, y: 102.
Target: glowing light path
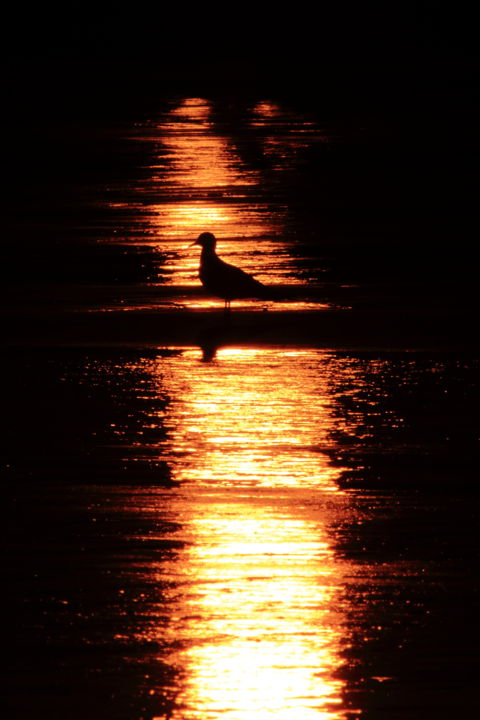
x: 258, y: 621
x: 258, y: 610
x: 202, y: 178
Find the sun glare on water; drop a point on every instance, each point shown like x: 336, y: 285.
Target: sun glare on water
x: 258, y: 621
x: 204, y: 179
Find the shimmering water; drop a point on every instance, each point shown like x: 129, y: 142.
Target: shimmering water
x: 230, y: 175
x: 312, y: 208
x: 277, y: 533
x: 270, y: 515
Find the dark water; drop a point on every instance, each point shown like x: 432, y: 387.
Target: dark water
x: 271, y: 517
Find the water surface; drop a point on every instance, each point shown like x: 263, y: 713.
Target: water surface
x: 270, y: 515
x: 276, y: 533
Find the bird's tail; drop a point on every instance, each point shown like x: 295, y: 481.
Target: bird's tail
x: 267, y: 292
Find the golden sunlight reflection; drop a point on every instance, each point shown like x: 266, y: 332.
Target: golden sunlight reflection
x: 220, y: 177
x: 259, y: 609
x: 286, y: 133
x: 200, y: 162
x: 254, y: 423
x: 199, y: 159
x: 257, y: 629
x: 192, y: 109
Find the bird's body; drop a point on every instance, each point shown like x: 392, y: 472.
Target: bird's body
x: 222, y: 279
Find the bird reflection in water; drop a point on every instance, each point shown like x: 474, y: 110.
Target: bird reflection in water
x: 211, y: 340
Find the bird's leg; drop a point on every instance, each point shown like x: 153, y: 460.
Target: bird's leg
x: 226, y: 310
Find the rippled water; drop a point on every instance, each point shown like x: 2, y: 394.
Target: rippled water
x: 276, y: 533
x: 228, y: 175
x: 311, y: 208
x: 230, y: 517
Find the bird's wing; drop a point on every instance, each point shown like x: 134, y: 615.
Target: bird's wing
x: 238, y: 275
x: 231, y: 282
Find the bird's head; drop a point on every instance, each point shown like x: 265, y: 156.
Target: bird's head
x: 206, y: 240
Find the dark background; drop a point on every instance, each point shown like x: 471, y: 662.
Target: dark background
x: 365, y: 53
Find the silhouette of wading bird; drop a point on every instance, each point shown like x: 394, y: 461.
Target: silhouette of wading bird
x: 223, y: 280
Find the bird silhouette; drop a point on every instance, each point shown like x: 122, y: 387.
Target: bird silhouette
x: 224, y: 280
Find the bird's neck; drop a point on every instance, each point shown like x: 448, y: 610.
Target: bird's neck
x: 208, y: 254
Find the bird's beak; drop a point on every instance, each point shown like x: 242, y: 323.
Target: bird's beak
x: 194, y: 243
